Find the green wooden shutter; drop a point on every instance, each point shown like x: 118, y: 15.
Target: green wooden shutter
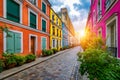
x: 10, y: 43
x: 32, y: 20
x: 17, y: 42
x: 44, y: 25
x: 43, y: 43
x: 43, y: 7
x: 13, y: 11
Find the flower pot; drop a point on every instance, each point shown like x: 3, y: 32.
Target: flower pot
x: 11, y: 65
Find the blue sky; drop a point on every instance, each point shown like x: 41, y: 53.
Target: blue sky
x: 78, y: 11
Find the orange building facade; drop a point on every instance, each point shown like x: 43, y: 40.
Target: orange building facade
x: 28, y: 26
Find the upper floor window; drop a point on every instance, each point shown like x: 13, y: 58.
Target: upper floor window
x: 53, y: 17
x: 33, y: 1
x: 108, y: 3
x: 43, y: 25
x: 99, y: 9
x: 33, y: 20
x: 53, y: 30
x: 13, y: 11
x: 43, y: 7
x: 57, y: 21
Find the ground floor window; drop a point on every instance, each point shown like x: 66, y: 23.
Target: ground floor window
x: 44, y: 43
x: 13, y: 42
x: 53, y: 43
x: 112, y: 37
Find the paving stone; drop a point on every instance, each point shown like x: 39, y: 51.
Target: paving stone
x: 58, y: 68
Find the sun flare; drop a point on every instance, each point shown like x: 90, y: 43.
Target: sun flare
x: 82, y: 33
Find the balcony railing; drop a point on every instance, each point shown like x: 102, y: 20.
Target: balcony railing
x: 112, y: 51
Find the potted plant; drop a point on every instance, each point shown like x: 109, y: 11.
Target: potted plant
x: 30, y: 58
x: 20, y: 60
x: 54, y: 50
x: 10, y: 62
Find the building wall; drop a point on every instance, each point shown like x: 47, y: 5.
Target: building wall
x: 64, y: 36
x: 66, y: 19
x: 106, y: 16
x: 58, y: 30
x: 24, y: 28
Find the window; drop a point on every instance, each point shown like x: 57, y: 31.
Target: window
x: 53, y: 43
x: 43, y: 7
x: 13, y: 42
x: 52, y: 17
x: 57, y: 32
x: 57, y: 21
x: 60, y: 33
x: 32, y: 20
x: 33, y: 1
x: 100, y: 32
x: 108, y: 3
x: 13, y: 11
x: 44, y: 43
x: 53, y: 30
x: 112, y: 37
x: 99, y: 9
x: 43, y: 25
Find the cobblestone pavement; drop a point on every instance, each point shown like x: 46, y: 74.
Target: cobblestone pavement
x: 61, y: 67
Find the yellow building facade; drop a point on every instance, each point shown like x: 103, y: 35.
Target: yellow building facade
x: 55, y: 30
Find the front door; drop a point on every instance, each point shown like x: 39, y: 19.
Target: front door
x: 32, y: 44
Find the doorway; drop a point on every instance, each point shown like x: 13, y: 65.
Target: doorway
x: 33, y: 39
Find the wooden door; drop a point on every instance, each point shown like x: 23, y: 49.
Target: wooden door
x: 32, y: 44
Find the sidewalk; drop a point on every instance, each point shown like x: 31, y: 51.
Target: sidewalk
x: 15, y: 70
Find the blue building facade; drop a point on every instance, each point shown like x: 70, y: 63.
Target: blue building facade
x: 65, y: 36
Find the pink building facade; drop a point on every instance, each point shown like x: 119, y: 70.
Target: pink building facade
x: 104, y: 20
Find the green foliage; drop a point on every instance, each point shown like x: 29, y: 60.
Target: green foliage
x: 1, y: 66
x: 10, y: 60
x: 99, y: 65
x: 30, y: 57
x: 20, y: 60
x: 47, y: 52
x: 91, y: 40
x: 55, y: 50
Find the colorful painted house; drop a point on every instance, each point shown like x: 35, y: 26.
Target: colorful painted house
x: 104, y: 20
x: 55, y: 30
x: 65, y: 37
x: 67, y: 21
x: 28, y: 26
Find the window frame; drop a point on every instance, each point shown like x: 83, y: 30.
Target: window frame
x: 45, y: 5
x: 33, y: 3
x: 5, y: 9
x: 5, y: 39
x: 41, y: 24
x: 30, y: 10
x: 41, y: 41
x: 107, y: 25
x: 36, y: 42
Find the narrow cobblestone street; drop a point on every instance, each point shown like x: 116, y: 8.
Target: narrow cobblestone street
x: 60, y: 67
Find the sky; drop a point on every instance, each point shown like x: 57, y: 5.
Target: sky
x: 77, y: 9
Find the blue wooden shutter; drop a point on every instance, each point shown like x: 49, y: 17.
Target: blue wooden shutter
x: 10, y: 43
x: 32, y: 20
x: 17, y: 42
x: 43, y: 43
x: 13, y: 11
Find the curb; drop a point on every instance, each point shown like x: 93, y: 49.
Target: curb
x: 15, y: 70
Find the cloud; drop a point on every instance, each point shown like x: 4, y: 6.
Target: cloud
x: 77, y: 9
